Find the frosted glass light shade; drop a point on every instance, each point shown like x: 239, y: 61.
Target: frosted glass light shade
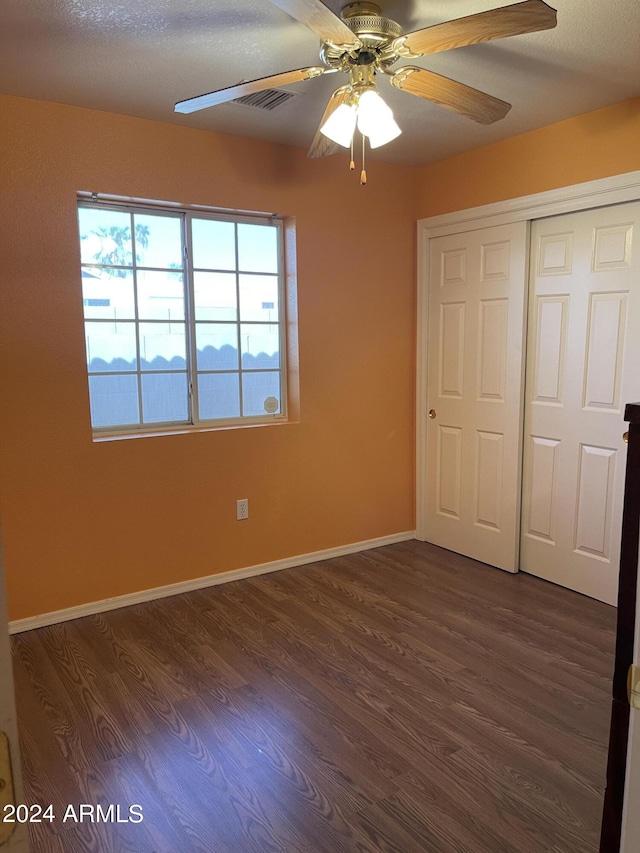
x: 375, y: 119
x: 341, y: 125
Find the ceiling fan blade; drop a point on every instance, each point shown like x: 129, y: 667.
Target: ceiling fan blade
x: 320, y: 20
x: 449, y: 94
x: 221, y: 96
x: 322, y: 146
x: 528, y: 17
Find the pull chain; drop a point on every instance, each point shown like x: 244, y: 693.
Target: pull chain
x: 352, y: 165
x: 363, y: 173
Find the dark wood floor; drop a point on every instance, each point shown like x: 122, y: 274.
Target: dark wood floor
x: 404, y: 700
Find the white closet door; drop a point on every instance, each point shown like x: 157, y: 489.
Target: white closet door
x: 475, y: 379
x: 583, y: 365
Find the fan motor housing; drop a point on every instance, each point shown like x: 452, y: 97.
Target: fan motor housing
x: 374, y: 31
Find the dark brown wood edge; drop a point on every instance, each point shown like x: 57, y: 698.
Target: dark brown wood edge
x: 619, y: 733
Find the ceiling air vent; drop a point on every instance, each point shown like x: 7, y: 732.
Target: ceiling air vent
x: 268, y: 99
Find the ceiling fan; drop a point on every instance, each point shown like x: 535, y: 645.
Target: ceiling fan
x: 363, y: 44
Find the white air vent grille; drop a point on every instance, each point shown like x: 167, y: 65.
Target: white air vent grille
x: 268, y: 99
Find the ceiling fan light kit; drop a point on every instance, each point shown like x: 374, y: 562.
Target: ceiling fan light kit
x: 341, y: 125
x: 362, y: 43
x: 375, y: 119
x: 364, y: 109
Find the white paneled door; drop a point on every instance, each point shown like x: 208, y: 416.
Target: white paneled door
x: 475, y: 380
x: 583, y: 365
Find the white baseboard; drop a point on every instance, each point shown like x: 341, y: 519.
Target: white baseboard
x: 81, y: 610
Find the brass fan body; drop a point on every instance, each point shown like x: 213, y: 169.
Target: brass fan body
x: 374, y: 33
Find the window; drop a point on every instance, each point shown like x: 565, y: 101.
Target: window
x: 183, y: 317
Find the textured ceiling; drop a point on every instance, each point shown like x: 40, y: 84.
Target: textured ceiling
x: 139, y: 57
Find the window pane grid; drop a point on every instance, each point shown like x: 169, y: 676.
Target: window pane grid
x: 222, y: 370
x: 137, y: 316
x: 215, y: 322
x: 213, y: 269
x: 248, y: 392
x: 117, y: 321
x: 187, y: 240
x: 129, y: 267
x: 238, y: 335
x: 136, y: 372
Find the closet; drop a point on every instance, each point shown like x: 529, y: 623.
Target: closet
x: 528, y: 357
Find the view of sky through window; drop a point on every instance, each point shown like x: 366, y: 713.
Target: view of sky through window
x: 173, y: 339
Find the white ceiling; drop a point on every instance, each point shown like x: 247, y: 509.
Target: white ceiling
x: 139, y: 57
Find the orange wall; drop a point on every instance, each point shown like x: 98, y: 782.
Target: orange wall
x: 595, y: 145
x: 84, y: 521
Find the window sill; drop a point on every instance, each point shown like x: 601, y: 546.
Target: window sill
x: 183, y: 429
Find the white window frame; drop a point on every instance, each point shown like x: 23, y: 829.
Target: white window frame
x: 193, y: 422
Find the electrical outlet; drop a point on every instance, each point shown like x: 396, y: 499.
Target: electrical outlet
x: 242, y: 509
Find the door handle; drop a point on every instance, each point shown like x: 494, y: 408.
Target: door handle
x: 432, y: 413
x: 625, y: 436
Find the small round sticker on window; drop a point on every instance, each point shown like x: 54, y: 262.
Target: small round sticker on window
x: 271, y: 405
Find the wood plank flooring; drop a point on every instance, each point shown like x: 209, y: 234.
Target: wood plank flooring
x: 401, y: 700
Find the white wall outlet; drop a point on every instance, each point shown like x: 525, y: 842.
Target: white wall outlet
x: 242, y: 509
